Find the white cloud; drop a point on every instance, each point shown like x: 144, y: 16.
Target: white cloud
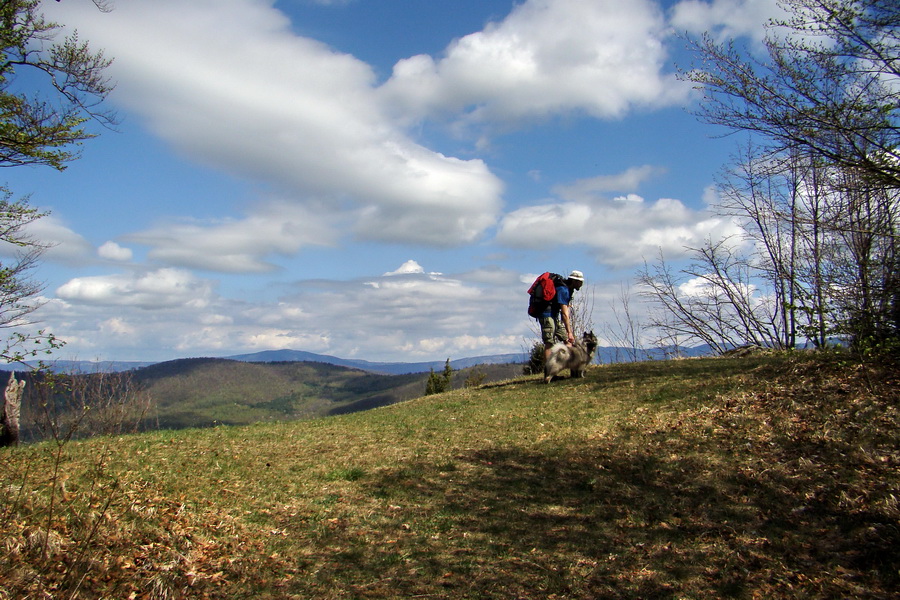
x: 547, y: 57
x: 63, y: 245
x: 588, y: 189
x: 703, y: 289
x: 160, y: 289
x: 406, y: 268
x: 407, y: 316
x: 113, y: 251
x: 620, y: 233
x: 117, y: 326
x: 239, y: 246
x: 725, y: 18
x: 67, y: 247
x: 232, y: 86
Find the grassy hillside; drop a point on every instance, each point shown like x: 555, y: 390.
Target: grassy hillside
x: 203, y: 392
x: 208, y: 391
x: 766, y: 477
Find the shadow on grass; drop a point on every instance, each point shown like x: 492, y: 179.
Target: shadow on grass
x: 664, y: 527
x: 782, y: 494
x: 614, y: 521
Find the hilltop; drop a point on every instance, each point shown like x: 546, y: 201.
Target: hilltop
x: 766, y: 476
x: 208, y: 391
x: 203, y: 392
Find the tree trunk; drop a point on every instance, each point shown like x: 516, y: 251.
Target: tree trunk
x: 9, y: 416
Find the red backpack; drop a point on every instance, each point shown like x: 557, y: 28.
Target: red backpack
x: 542, y: 292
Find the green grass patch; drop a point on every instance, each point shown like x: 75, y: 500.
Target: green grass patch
x: 769, y: 477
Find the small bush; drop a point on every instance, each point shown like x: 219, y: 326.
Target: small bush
x: 439, y: 383
x: 535, y: 364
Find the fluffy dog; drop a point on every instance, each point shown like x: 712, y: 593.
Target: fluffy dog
x: 575, y: 357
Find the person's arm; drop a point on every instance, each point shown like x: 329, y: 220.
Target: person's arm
x: 567, y: 321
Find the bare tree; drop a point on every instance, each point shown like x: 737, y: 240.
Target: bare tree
x: 675, y: 321
x: 89, y: 404
x: 819, y: 194
x: 18, y: 291
x: 715, y: 300
x: 780, y: 200
x: 581, y: 309
x: 866, y: 282
x: 625, y: 332
x: 818, y: 258
x: 829, y: 84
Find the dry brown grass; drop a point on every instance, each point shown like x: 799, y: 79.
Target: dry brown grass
x: 762, y: 477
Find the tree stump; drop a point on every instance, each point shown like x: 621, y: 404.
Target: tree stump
x: 9, y: 415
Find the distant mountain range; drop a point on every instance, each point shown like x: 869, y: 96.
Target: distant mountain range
x: 389, y: 368
x: 606, y: 354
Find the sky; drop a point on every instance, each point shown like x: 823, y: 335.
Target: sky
x: 372, y: 179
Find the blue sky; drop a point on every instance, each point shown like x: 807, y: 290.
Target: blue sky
x: 371, y: 179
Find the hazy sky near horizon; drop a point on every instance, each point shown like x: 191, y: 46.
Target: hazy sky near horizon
x: 375, y: 180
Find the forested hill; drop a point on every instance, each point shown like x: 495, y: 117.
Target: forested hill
x: 200, y: 392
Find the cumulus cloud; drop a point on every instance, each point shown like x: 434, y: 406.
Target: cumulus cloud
x: 239, y: 246
x: 117, y: 327
x: 237, y: 89
x: 403, y: 312
x: 621, y: 231
x: 725, y: 18
x: 115, y: 252
x: 407, y: 314
x: 67, y: 247
x: 547, y: 57
x: 232, y: 86
x: 407, y: 268
x: 160, y: 289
